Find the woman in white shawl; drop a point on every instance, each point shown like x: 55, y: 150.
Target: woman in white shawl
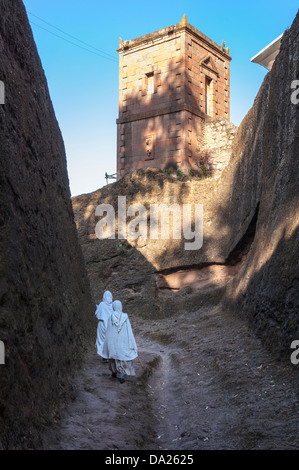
x: 120, y: 345
x: 103, y: 313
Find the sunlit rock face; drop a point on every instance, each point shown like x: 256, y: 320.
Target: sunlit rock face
x: 44, y: 291
x: 266, y: 291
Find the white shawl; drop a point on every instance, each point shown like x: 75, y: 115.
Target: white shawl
x: 120, y: 342
x: 104, y: 309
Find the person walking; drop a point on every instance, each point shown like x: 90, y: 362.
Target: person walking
x: 103, y: 313
x: 120, y: 346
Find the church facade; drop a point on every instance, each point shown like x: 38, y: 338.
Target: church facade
x: 170, y: 83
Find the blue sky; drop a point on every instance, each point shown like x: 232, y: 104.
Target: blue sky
x: 83, y: 83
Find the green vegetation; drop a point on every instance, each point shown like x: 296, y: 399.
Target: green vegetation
x: 179, y: 173
x: 204, y: 170
x: 120, y: 249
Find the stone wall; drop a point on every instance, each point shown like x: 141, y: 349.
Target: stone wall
x: 163, y: 96
x: 215, y: 151
x: 45, y: 304
x: 266, y: 291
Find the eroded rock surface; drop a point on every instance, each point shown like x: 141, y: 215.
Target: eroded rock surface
x: 45, y: 299
x: 266, y: 290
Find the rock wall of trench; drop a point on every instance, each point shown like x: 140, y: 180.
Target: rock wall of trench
x: 266, y: 290
x: 45, y: 302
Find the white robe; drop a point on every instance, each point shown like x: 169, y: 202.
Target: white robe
x: 103, y: 313
x: 120, y: 343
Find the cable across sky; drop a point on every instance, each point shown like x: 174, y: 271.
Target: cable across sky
x: 98, y: 52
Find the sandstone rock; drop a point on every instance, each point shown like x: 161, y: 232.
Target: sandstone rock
x: 45, y: 303
x: 266, y: 291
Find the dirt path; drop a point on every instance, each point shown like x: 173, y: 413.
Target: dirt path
x: 206, y: 383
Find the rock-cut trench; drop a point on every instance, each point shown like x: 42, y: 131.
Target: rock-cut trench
x: 203, y: 381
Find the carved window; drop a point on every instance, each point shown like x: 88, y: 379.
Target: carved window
x: 208, y: 97
x: 150, y: 83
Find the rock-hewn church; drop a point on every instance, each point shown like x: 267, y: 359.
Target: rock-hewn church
x: 172, y: 82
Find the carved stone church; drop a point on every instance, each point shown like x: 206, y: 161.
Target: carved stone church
x: 172, y: 82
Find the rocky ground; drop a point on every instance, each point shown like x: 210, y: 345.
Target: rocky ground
x: 204, y: 382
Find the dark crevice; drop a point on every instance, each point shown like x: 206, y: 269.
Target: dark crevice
x: 236, y: 256
x: 243, y: 246
x: 186, y: 268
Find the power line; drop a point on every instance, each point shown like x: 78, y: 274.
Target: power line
x: 109, y: 56
x: 73, y: 37
x: 74, y: 44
